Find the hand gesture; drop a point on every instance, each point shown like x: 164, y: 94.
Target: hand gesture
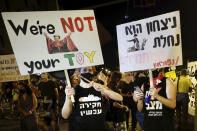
x: 27, y: 113
x: 126, y: 108
x: 69, y: 91
x: 97, y: 87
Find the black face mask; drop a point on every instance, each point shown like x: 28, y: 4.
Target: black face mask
x: 155, y: 73
x: 88, y: 76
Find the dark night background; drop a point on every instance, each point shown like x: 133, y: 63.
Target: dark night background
x: 110, y: 13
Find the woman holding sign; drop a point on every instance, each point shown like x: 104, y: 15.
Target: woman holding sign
x: 159, y: 109
x: 87, y: 113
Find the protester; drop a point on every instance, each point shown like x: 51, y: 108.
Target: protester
x: 118, y: 110
x: 184, y: 86
x: 126, y: 86
x: 140, y: 79
x: 27, y: 104
x: 75, y: 80
x: 15, y: 94
x: 49, y: 91
x: 159, y: 110
x: 8, y: 94
x: 86, y: 113
x: 34, y: 88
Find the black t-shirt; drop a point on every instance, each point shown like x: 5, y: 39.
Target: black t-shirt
x: 47, y: 89
x: 88, y: 111
x: 117, y: 113
x: 158, y: 117
x: 127, y: 89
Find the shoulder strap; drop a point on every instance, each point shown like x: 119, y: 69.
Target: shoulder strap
x: 178, y: 84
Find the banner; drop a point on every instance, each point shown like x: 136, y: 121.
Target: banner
x: 53, y: 40
x: 9, y: 69
x: 150, y: 43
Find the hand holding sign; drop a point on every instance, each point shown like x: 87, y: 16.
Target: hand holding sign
x: 153, y: 92
x: 69, y: 91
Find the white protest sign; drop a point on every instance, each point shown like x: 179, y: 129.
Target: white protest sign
x: 192, y: 67
x: 53, y: 40
x: 9, y: 69
x: 153, y: 42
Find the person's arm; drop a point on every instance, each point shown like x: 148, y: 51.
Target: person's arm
x: 35, y: 102
x: 106, y: 91
x: 57, y: 95
x: 49, y: 42
x: 69, y: 42
x: 118, y: 105
x: 170, y: 101
x: 112, y: 95
x: 67, y: 108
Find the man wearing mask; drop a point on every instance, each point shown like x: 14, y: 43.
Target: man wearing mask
x: 87, y: 112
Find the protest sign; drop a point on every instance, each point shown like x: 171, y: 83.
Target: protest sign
x: 9, y: 69
x: 53, y: 40
x: 150, y: 43
x: 192, y: 67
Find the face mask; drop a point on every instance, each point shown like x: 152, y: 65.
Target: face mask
x: 88, y: 76
x: 155, y: 73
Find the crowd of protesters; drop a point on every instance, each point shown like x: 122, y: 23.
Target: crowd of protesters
x: 104, y: 101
